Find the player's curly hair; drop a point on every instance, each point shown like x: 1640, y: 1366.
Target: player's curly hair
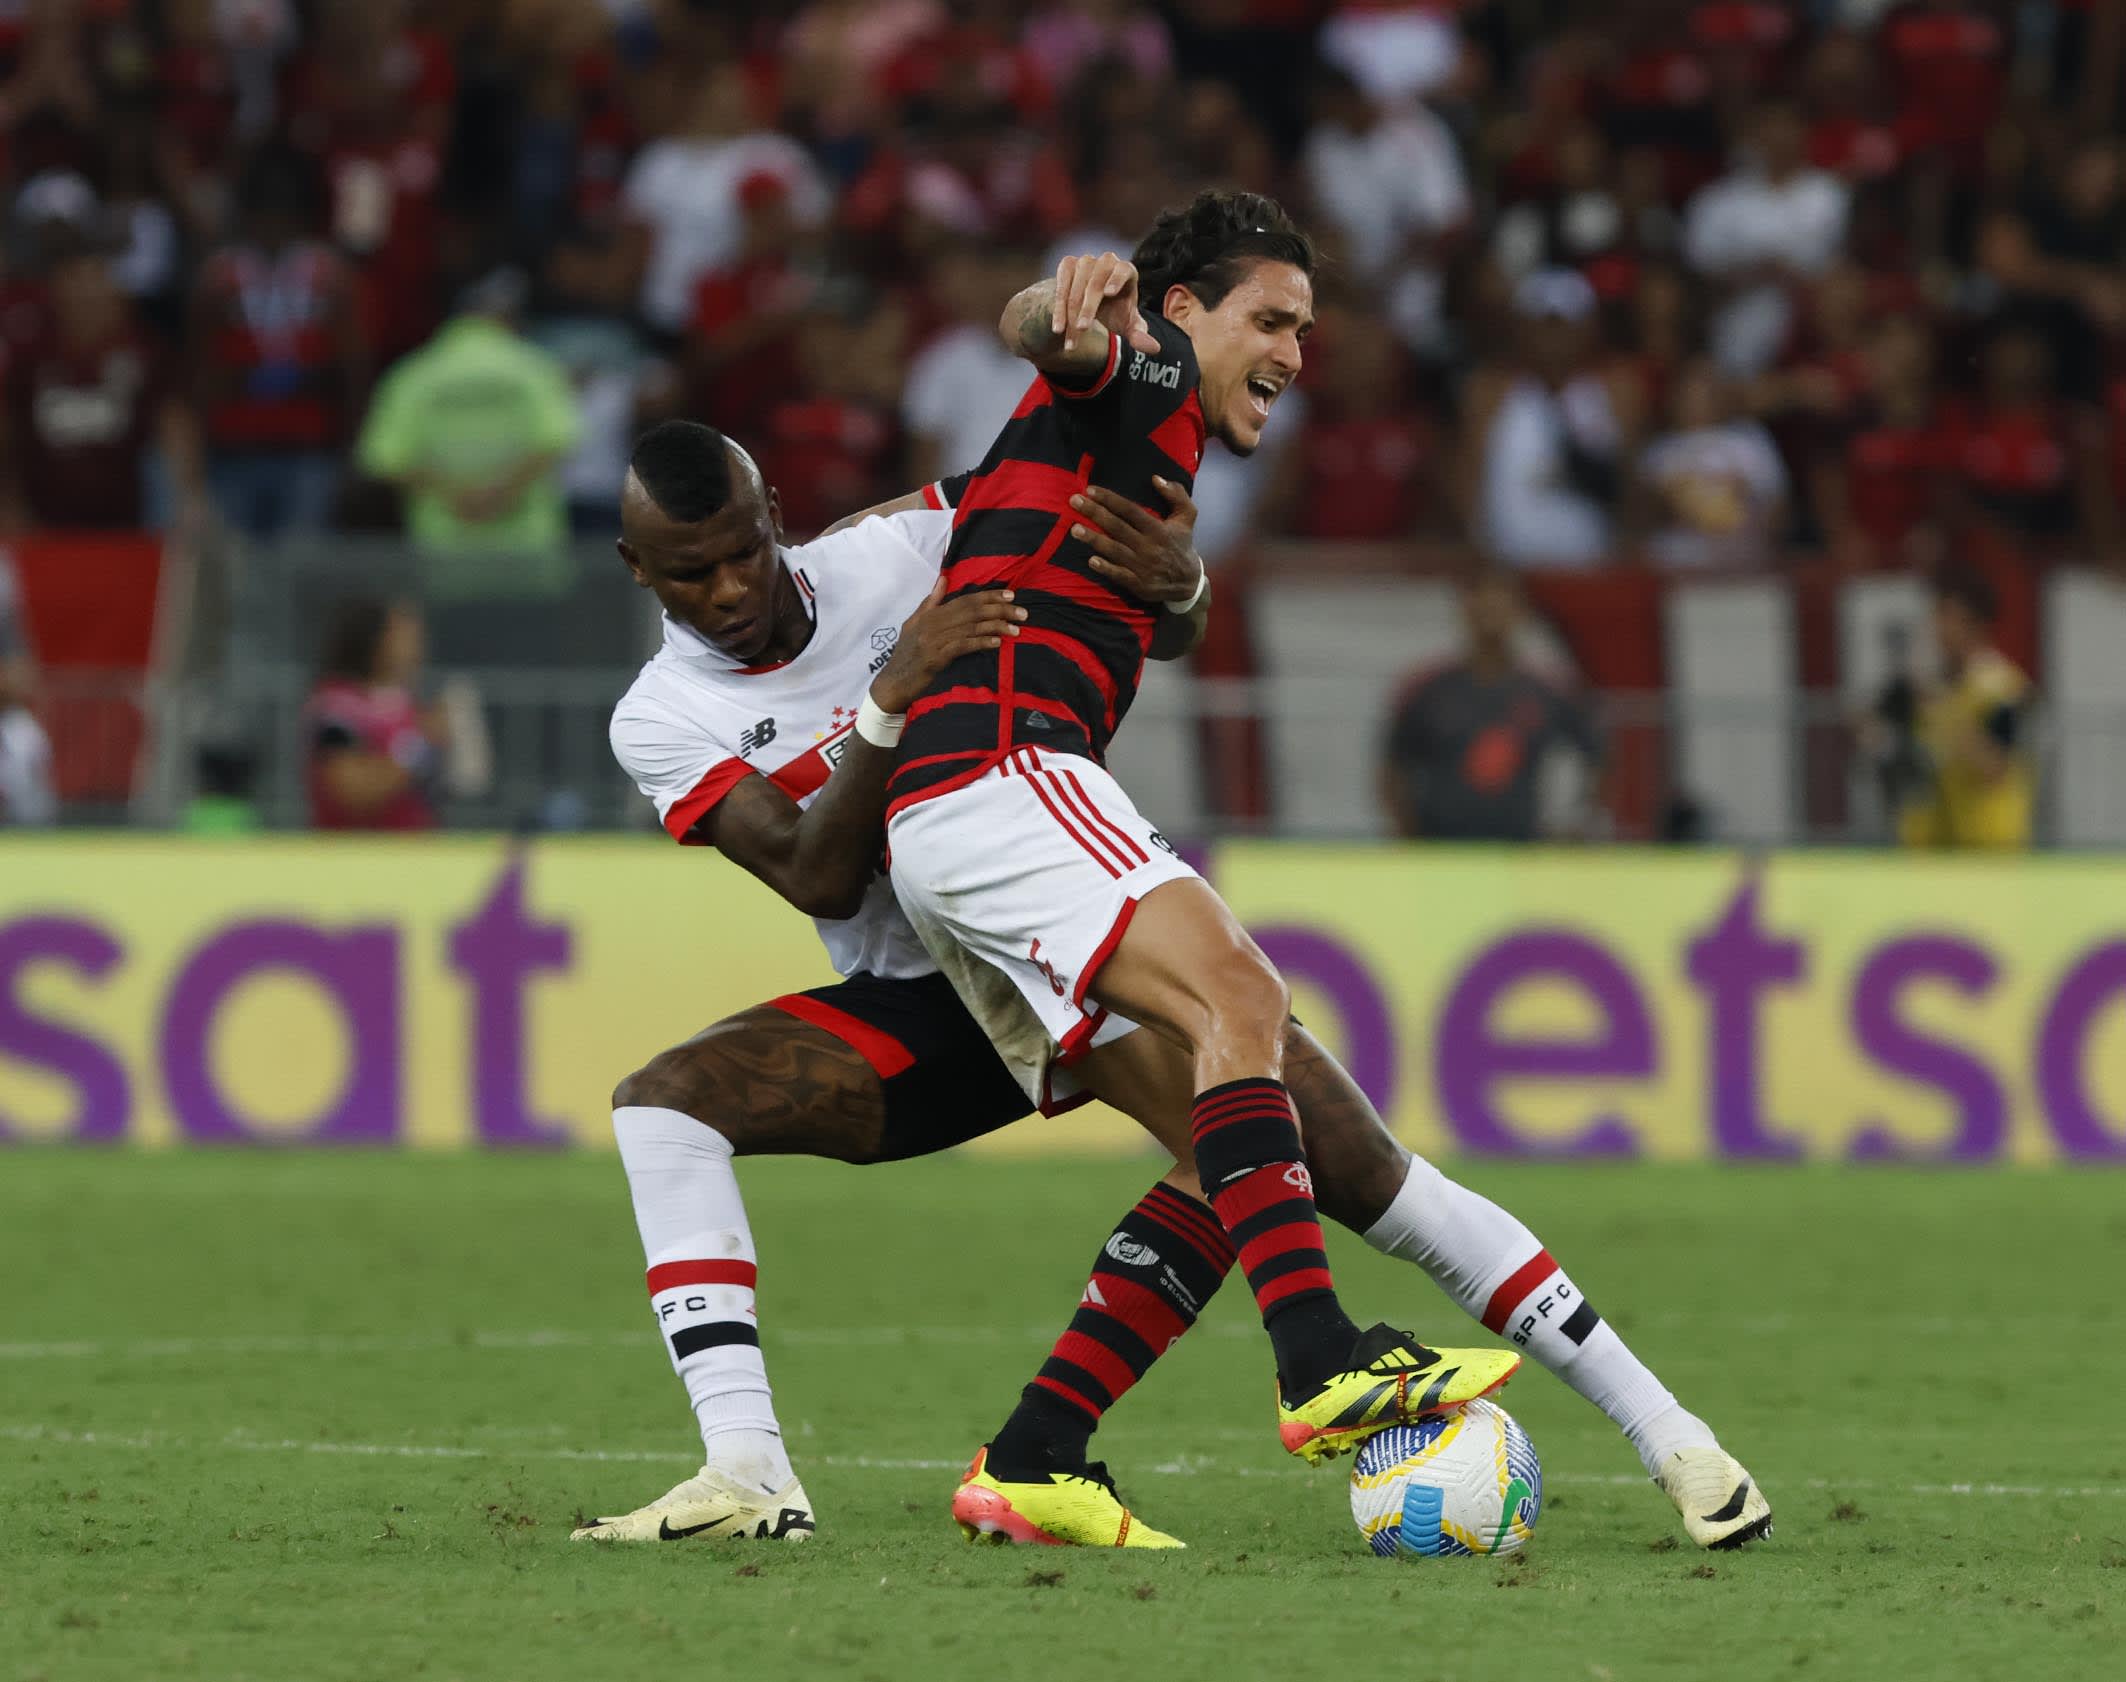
x: 1208, y: 244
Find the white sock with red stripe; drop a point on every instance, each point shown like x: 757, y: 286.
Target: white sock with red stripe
x: 701, y: 1276
x: 1493, y: 1266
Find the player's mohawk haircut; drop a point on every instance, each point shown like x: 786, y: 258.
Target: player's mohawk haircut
x: 685, y: 467
x: 1209, y: 243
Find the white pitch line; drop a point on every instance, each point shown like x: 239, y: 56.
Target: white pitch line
x: 867, y: 1337
x: 359, y: 1343
x: 273, y: 1343
x: 864, y: 1337
x: 1187, y: 1466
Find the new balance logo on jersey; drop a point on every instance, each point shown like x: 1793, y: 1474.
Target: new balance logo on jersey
x: 1151, y: 372
x: 1130, y: 1253
x: 758, y: 737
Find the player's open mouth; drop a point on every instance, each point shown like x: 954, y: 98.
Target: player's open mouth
x: 1261, y: 394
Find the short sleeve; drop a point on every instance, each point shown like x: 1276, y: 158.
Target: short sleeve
x: 682, y: 769
x: 945, y: 493
x: 889, y: 558
x: 926, y: 531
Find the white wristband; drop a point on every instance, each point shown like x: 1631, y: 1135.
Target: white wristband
x: 1203, y: 583
x: 879, y: 727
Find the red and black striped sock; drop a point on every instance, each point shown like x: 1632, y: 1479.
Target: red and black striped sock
x: 1252, y: 1169
x: 1150, y: 1280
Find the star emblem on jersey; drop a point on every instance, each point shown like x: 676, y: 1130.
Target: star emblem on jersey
x: 837, y: 721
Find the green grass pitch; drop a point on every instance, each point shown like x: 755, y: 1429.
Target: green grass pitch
x: 290, y: 1418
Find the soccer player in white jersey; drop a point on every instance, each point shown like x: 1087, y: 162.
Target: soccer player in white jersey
x: 888, y: 1064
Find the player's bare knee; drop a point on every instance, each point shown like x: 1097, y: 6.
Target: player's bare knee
x: 1249, y: 991
x: 1246, y: 996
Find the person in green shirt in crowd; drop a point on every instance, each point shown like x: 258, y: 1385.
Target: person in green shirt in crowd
x: 472, y: 428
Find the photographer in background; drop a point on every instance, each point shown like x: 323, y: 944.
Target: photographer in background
x: 1953, y: 751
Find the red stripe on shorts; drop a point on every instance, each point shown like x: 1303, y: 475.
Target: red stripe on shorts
x: 1122, y: 837
x: 886, y: 1055
x: 1104, y: 951
x: 1069, y: 828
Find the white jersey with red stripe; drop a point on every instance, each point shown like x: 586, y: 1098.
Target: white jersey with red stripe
x: 695, y: 723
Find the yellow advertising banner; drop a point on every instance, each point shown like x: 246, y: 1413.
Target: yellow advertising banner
x: 454, y: 991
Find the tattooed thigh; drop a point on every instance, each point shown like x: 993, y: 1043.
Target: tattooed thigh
x: 772, y: 1085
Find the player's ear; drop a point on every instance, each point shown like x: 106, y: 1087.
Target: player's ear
x: 1180, y: 306
x: 629, y: 560
x: 775, y: 513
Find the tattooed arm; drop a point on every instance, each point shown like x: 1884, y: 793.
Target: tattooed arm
x: 1062, y: 326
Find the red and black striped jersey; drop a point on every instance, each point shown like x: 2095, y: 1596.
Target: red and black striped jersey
x: 1067, y: 679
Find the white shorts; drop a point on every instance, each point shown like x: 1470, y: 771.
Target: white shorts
x: 1031, y: 871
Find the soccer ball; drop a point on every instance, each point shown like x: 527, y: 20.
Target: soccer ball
x: 1467, y: 1483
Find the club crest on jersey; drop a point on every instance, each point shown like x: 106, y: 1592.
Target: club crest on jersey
x: 1154, y: 372
x: 758, y: 737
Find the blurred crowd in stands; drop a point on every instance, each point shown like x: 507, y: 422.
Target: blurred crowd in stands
x: 1698, y: 283
x: 1693, y: 281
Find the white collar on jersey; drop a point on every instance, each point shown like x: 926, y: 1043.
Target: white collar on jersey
x: 685, y: 640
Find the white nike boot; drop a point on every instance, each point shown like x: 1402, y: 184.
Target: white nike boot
x: 1722, y: 1506
x: 711, y: 1505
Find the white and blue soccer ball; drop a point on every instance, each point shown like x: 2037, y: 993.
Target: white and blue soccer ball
x: 1466, y: 1483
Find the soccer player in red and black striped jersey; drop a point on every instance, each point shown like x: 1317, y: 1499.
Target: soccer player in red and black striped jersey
x: 1014, y: 851
x: 771, y: 645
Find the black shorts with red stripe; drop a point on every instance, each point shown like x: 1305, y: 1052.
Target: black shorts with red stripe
x: 944, y: 1082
